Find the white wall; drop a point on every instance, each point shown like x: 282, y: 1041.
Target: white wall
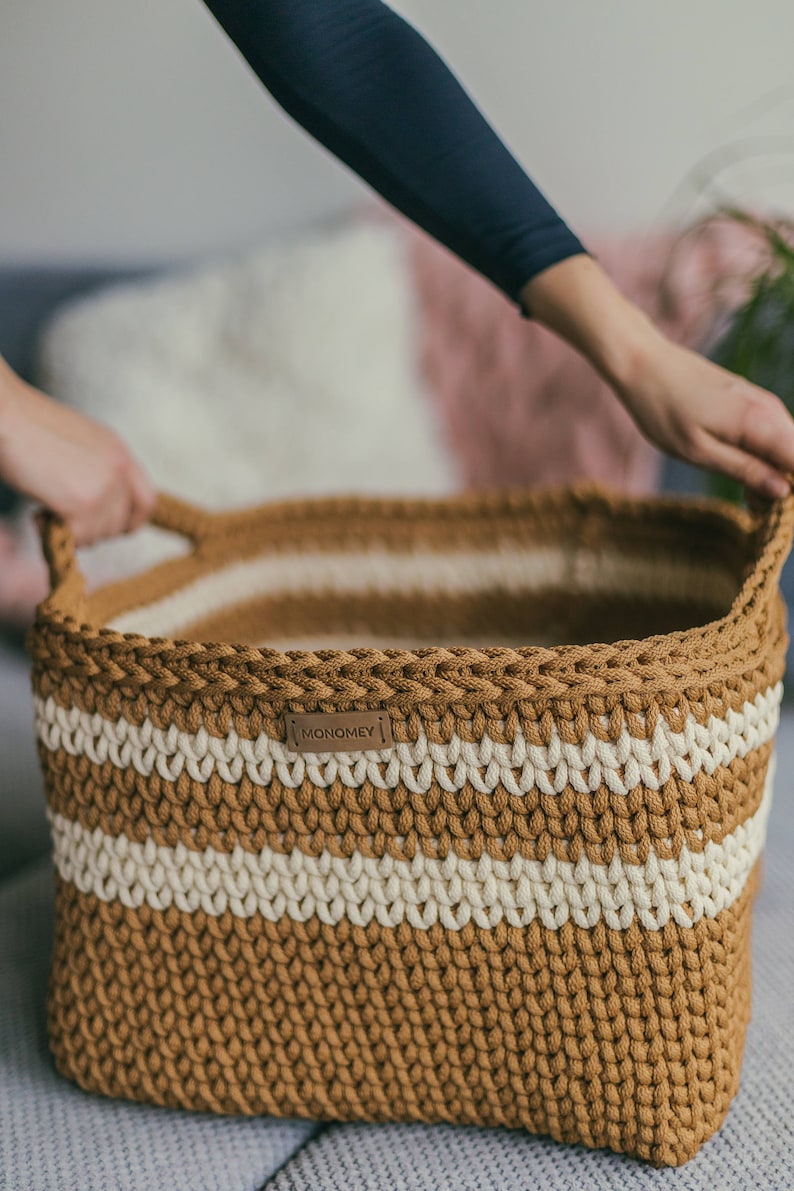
x: 132, y: 129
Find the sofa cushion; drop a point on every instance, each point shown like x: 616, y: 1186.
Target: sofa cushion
x: 282, y: 371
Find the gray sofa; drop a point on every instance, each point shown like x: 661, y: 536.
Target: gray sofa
x: 55, y: 1137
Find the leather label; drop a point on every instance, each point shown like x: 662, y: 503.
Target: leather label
x: 338, y: 731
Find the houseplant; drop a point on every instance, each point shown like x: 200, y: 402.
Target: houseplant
x: 757, y: 341
x: 749, y: 308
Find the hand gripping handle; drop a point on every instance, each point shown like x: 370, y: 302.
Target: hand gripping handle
x: 67, y: 584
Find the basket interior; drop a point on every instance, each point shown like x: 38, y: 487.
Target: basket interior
x: 572, y: 576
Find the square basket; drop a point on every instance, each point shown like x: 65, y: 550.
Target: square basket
x: 418, y: 809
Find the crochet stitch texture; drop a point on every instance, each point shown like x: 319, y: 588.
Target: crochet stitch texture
x: 532, y: 910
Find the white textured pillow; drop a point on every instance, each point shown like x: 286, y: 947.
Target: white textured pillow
x: 290, y: 371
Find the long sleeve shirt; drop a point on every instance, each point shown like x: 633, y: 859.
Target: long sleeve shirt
x: 366, y: 84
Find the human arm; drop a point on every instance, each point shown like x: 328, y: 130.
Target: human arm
x: 685, y: 404
x: 368, y: 86
x: 69, y: 463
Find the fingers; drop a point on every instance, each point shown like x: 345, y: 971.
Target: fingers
x: 103, y: 518
x: 751, y: 470
x: 764, y: 427
x: 74, y: 465
x: 119, y: 500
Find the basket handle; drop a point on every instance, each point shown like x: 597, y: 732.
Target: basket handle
x: 774, y: 523
x: 182, y: 517
x: 60, y: 552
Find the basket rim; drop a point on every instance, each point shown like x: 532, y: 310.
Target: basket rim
x: 60, y: 611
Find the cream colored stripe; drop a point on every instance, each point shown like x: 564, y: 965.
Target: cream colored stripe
x: 511, y: 569
x: 421, y: 892
x: 518, y: 767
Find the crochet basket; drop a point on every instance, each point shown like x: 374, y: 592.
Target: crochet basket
x: 418, y: 809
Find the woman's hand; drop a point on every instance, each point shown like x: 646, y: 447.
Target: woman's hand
x: 71, y: 464
x: 683, y: 403
x: 700, y: 412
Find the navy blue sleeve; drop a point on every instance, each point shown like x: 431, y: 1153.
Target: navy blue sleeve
x: 369, y: 87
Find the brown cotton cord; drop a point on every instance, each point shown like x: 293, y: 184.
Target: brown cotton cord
x: 532, y: 908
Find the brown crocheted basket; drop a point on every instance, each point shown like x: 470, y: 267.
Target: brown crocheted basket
x: 430, y: 809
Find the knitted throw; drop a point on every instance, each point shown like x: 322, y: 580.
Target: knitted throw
x: 418, y: 809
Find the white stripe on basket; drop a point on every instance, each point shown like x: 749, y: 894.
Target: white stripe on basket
x: 518, y: 767
x: 421, y: 892
x: 514, y: 568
